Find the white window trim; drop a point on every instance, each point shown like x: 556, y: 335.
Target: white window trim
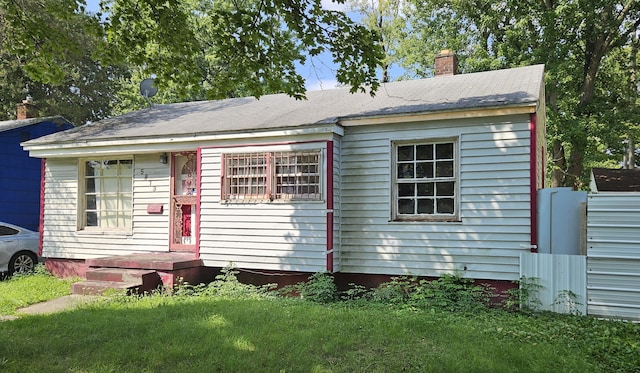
x: 455, y: 217
x: 82, y: 193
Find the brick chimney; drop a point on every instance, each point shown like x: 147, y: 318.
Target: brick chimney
x: 27, y: 109
x: 446, y: 63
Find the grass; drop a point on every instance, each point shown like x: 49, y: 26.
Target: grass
x: 164, y: 333
x: 21, y: 291
x: 230, y: 335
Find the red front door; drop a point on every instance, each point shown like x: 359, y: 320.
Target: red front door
x: 184, y: 179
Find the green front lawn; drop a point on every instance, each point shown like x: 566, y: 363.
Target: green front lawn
x: 22, y: 291
x: 187, y: 333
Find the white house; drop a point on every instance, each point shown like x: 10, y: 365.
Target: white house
x: 428, y: 177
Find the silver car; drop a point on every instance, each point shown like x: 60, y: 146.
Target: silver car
x: 18, y: 249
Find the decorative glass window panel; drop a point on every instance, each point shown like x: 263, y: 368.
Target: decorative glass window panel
x: 425, y: 181
x: 108, y: 188
x: 272, y: 176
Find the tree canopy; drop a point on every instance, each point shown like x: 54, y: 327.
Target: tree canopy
x: 587, y: 47
x: 47, y: 51
x: 385, y: 17
x: 256, y: 43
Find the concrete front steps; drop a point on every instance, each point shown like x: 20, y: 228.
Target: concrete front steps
x: 140, y: 273
x: 100, y: 280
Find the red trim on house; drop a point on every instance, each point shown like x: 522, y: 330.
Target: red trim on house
x: 172, y: 183
x: 533, y: 166
x: 199, y: 199
x: 180, y: 247
x: 329, y: 179
x: 262, y: 144
x: 64, y: 268
x: 330, y: 206
x: 43, y: 165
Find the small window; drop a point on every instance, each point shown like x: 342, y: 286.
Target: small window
x: 107, y: 193
x: 425, y: 181
x: 272, y: 176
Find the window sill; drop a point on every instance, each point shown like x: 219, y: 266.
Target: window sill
x: 269, y: 202
x: 426, y: 221
x: 102, y: 233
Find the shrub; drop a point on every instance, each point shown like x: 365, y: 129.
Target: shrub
x: 449, y: 292
x: 397, y: 291
x: 524, y: 298
x: 319, y: 288
x: 356, y: 292
x: 453, y: 293
x: 226, y: 284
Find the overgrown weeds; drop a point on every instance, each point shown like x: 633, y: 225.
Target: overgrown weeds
x: 406, y: 324
x: 319, y: 288
x: 226, y: 284
x: 449, y: 292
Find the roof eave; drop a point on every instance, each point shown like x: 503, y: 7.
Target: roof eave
x: 148, y: 144
x: 464, y: 113
x: 20, y: 123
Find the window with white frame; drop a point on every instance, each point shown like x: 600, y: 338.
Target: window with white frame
x: 425, y: 181
x: 273, y: 176
x: 107, y: 194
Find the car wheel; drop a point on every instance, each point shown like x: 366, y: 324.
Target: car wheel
x: 22, y: 262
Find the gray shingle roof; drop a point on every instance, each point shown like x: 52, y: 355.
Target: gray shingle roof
x: 499, y: 88
x: 616, y: 180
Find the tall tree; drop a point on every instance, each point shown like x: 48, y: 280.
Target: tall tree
x: 572, y: 38
x: 219, y: 48
x: 53, y: 62
x: 387, y: 19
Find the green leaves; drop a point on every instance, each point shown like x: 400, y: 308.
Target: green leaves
x: 47, y: 49
x: 224, y: 48
x: 251, y: 45
x: 574, y: 40
x: 42, y: 35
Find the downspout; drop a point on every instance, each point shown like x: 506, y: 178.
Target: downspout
x: 533, y: 180
x: 330, y: 206
x: 43, y: 165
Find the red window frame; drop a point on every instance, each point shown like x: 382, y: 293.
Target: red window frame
x: 269, y: 176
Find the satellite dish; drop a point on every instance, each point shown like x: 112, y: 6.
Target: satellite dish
x: 147, y: 89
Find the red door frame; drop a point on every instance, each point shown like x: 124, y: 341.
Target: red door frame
x: 192, y: 200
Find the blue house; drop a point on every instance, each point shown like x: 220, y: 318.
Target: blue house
x: 20, y: 175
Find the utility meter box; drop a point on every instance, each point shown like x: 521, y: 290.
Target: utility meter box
x: 562, y: 217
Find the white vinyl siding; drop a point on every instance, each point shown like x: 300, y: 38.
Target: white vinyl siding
x: 494, y: 202
x: 278, y: 235
x: 149, y: 232
x: 337, y: 203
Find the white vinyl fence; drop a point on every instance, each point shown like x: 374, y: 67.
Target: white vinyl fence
x: 605, y: 282
x: 613, y: 255
x: 561, y: 281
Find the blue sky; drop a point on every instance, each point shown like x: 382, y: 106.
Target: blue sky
x: 318, y: 74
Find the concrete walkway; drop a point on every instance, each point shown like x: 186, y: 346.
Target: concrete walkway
x: 67, y: 302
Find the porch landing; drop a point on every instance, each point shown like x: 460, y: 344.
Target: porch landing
x: 141, y: 272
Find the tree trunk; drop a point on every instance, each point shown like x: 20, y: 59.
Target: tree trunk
x: 595, y: 50
x: 558, y: 172
x: 576, y: 166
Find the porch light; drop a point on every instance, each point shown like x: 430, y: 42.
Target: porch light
x: 164, y: 158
